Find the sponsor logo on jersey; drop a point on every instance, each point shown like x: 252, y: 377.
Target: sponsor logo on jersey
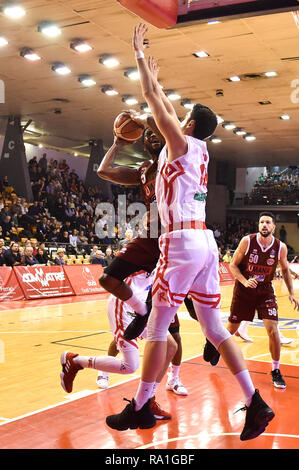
x: 270, y: 261
x: 272, y: 254
x: 200, y: 196
x: 258, y: 269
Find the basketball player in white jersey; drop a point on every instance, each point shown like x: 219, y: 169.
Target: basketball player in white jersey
x: 189, y: 254
x: 120, y: 315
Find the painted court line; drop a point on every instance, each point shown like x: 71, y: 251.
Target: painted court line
x: 77, y: 396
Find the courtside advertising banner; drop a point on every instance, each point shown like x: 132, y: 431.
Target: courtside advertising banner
x: 9, y: 285
x: 84, y: 279
x: 225, y: 273
x: 43, y: 281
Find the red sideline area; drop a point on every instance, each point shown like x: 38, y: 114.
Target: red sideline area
x: 37, y: 282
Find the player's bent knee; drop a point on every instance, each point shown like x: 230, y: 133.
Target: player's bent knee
x: 129, y: 367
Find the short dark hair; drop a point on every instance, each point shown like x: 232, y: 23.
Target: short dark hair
x: 268, y: 214
x: 205, y: 121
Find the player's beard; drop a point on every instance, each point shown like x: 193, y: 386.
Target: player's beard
x: 265, y: 234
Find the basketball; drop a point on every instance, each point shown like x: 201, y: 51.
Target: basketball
x: 127, y: 129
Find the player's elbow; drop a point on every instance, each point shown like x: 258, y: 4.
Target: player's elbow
x: 102, y: 174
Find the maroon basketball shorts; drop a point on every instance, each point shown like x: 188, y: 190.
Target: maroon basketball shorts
x: 141, y: 254
x: 246, y: 301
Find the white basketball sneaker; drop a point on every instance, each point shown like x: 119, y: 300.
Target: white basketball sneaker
x: 174, y: 384
x: 102, y: 380
x: 284, y: 340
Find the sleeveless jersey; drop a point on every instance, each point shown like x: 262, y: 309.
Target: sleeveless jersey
x: 152, y: 223
x: 181, y: 185
x: 147, y: 187
x: 260, y: 262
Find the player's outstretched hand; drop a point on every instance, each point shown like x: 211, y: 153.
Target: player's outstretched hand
x: 252, y: 283
x: 294, y: 301
x: 153, y: 66
x: 139, y: 37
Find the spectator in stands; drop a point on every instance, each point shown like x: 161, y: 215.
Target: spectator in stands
x: 6, y: 226
x: 99, y: 259
x: 42, y: 229
x: 30, y: 260
x: 2, y: 244
x: 220, y: 254
x: 82, y: 239
x: 2, y: 260
x: 42, y: 256
x: 128, y: 238
x: 64, y: 237
x: 4, y: 213
x: 59, y: 260
x: 108, y: 256
x: 12, y: 256
x: 93, y: 252
x: 227, y: 257
x: 282, y: 234
x: 33, y: 210
x: 73, y: 240
x: 43, y: 164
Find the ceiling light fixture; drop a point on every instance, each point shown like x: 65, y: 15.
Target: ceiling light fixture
x: 271, y: 74
x: 129, y: 99
x: 14, y: 10
x: 234, y: 78
x: 108, y: 60
x: 215, y: 140
x: 187, y: 103
x: 228, y: 126
x: 80, y: 46
x: 249, y: 137
x: 239, y: 131
x: 285, y: 117
x: 3, y: 41
x: 29, y: 54
x: 49, y: 29
x: 201, y: 54
x: 61, y: 69
x: 86, y: 80
x: 109, y: 90
x: 172, y: 95
x: 145, y: 107
x: 132, y: 74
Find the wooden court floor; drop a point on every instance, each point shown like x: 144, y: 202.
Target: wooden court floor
x: 36, y: 413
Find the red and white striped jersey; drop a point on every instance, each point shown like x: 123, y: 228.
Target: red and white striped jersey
x: 181, y: 185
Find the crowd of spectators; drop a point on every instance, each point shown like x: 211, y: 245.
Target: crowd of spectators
x: 63, y: 210
x: 276, y: 189
x: 64, y: 214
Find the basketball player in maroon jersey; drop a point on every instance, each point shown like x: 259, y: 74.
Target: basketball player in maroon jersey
x: 253, y: 265
x: 142, y: 253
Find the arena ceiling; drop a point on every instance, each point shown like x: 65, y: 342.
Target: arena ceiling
x: 247, y: 47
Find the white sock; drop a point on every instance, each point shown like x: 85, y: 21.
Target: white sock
x: 246, y: 385
x: 174, y: 371
x: 144, y: 393
x: 102, y: 363
x: 156, y: 385
x: 275, y: 365
x: 137, y: 305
